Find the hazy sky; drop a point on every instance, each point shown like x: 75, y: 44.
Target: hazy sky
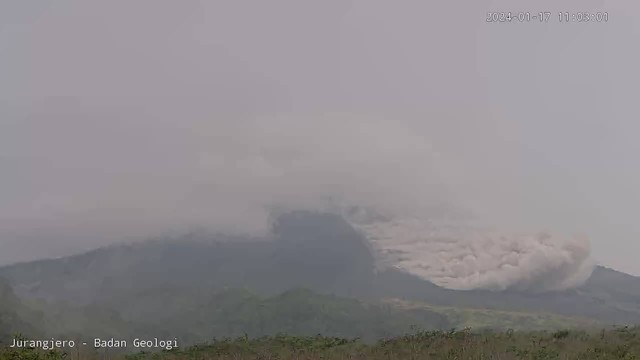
x: 123, y: 119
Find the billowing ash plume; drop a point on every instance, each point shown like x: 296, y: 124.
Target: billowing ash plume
x: 233, y: 183
x: 464, y: 258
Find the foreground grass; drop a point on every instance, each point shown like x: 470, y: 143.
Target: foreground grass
x: 616, y: 343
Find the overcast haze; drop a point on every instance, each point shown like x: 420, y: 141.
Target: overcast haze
x: 121, y: 120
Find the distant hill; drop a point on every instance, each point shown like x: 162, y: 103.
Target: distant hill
x: 162, y: 279
x: 608, y: 284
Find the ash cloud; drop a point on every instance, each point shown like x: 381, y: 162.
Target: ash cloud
x: 233, y: 183
x: 459, y: 257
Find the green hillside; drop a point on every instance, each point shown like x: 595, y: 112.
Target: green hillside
x: 15, y: 316
x: 482, y: 319
x: 300, y: 312
x: 234, y: 312
x: 196, y: 318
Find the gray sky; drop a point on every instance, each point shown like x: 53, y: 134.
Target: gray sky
x: 123, y: 119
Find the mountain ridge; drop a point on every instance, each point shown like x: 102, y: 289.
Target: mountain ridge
x: 321, y: 252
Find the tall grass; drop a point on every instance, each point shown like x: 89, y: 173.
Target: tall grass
x: 613, y: 343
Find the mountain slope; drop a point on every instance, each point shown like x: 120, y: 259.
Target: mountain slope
x: 15, y: 317
x: 236, y: 312
x: 196, y: 318
x: 321, y: 252
x: 317, y: 251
